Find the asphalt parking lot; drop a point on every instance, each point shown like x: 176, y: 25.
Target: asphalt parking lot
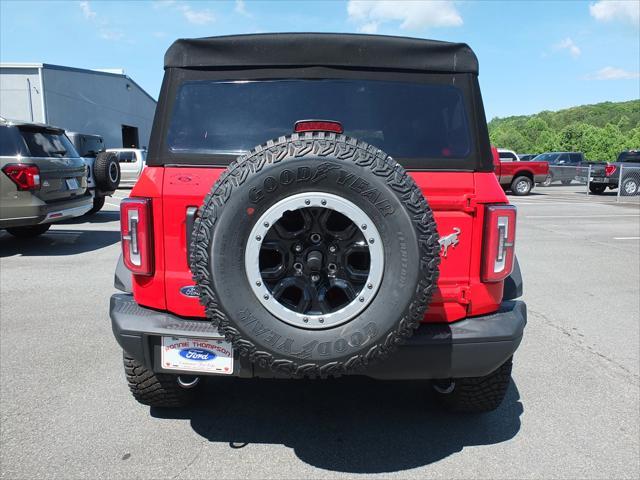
x: 571, y: 412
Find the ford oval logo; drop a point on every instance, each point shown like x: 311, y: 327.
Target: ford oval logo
x: 198, y: 354
x: 190, y: 291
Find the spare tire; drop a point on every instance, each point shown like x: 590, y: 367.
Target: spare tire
x: 106, y: 171
x: 315, y: 254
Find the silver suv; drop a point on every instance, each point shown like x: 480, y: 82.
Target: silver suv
x: 43, y: 178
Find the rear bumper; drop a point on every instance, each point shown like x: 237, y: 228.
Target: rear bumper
x: 596, y: 180
x: 469, y: 348
x: 37, y: 213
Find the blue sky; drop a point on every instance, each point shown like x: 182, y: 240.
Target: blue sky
x: 534, y: 55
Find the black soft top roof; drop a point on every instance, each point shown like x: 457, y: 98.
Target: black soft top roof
x: 322, y: 49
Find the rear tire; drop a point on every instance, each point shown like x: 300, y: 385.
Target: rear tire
x: 475, y: 395
x: 154, y: 389
x: 547, y: 181
x: 597, y: 189
x: 98, y: 203
x: 30, y: 231
x: 630, y: 187
x: 521, y: 186
x: 566, y: 182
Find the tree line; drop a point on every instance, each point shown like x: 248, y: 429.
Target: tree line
x: 600, y: 131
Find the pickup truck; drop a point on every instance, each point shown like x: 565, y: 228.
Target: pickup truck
x: 608, y: 175
x: 515, y: 175
x: 563, y: 166
x: 132, y: 162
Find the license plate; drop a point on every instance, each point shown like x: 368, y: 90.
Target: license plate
x: 204, y: 355
x: 72, y: 183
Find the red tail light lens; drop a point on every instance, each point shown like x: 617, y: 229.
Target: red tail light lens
x: 136, y: 229
x: 318, y: 126
x: 609, y: 170
x: 499, y: 242
x: 26, y: 177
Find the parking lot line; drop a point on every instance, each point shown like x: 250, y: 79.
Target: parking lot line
x: 626, y: 238
x: 583, y: 216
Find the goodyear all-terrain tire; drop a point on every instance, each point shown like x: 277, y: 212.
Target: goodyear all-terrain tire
x: 475, y: 395
x: 320, y: 170
x: 154, y: 389
x: 106, y: 171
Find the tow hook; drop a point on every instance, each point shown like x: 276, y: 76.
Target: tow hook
x: 188, y: 381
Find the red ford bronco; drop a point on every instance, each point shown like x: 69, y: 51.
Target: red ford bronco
x: 318, y: 205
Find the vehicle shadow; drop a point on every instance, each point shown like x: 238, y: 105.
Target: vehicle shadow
x: 352, y: 425
x: 103, y: 216
x: 57, y: 242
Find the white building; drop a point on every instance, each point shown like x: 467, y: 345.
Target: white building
x: 103, y: 102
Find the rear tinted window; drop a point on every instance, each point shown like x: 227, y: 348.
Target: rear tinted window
x: 633, y: 157
x: 44, y: 143
x: 406, y: 120
x: 126, y: 157
x: 10, y: 142
x: 90, y: 146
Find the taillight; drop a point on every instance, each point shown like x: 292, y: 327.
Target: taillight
x: 136, y: 229
x: 318, y: 126
x: 609, y: 170
x: 499, y: 242
x: 26, y: 177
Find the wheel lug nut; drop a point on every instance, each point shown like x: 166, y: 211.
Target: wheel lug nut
x: 298, y: 248
x: 332, y: 249
x: 364, y: 226
x: 258, y: 237
x: 323, y: 202
x: 259, y: 283
x: 371, y: 240
x: 307, y: 202
x: 305, y: 319
x: 266, y: 224
x: 362, y: 299
x: 315, y: 278
x: 321, y: 320
x: 370, y: 286
x: 266, y: 297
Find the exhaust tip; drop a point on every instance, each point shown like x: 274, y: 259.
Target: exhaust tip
x: 188, y: 381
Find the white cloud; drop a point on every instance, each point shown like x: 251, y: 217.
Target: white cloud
x: 241, y: 8
x: 568, y: 45
x: 371, y: 27
x: 612, y: 73
x: 101, y: 25
x: 86, y: 10
x: 616, y: 10
x: 413, y: 14
x: 197, y: 17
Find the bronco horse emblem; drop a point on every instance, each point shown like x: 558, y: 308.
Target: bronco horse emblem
x: 450, y: 240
